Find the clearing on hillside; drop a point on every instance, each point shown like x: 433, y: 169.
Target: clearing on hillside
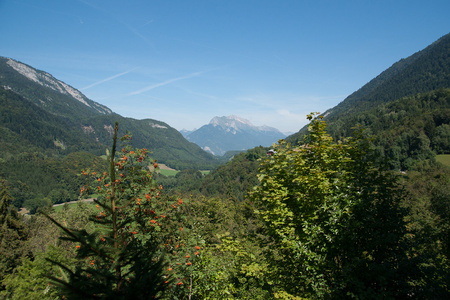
x: 443, y: 159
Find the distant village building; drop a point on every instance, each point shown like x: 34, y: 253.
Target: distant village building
x: 271, y: 152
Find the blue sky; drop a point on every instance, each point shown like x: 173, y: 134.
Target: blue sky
x: 184, y: 62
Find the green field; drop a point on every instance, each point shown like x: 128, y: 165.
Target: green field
x: 61, y: 207
x: 443, y: 159
x: 168, y: 172
x: 174, y: 172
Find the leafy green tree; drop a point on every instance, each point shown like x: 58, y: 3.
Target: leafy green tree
x: 429, y: 224
x: 213, y: 252
x: 234, y: 179
x: 30, y: 279
x: 441, y: 139
x: 332, y: 211
x: 44, y: 234
x: 121, y: 258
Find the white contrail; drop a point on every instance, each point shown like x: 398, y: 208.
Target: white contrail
x: 108, y: 79
x: 151, y: 87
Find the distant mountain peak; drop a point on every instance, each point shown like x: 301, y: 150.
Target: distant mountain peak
x: 233, y: 133
x: 231, y: 124
x: 231, y: 121
x: 237, y: 123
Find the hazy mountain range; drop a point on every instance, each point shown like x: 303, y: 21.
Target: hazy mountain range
x: 232, y: 133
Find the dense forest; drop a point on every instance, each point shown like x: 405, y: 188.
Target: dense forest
x: 322, y: 219
x: 408, y: 130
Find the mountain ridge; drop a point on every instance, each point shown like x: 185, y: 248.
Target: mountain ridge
x: 385, y: 86
x: 83, y: 119
x: 58, y: 90
x: 423, y: 71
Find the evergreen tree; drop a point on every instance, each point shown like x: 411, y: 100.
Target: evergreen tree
x: 13, y: 233
x: 121, y: 257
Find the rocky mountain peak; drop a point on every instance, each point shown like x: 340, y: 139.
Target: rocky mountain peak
x: 232, y: 121
x: 48, y: 81
x: 232, y: 133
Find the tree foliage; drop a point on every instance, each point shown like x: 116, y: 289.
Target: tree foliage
x: 121, y: 258
x: 30, y: 279
x: 333, y: 212
x: 329, y: 222
x: 428, y: 202
x: 13, y: 233
x: 39, y: 181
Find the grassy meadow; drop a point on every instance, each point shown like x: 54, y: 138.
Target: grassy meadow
x: 443, y: 159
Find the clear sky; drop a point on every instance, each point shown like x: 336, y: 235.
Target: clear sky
x: 184, y: 62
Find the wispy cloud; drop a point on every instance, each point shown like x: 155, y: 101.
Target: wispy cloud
x: 108, y: 79
x: 202, y: 95
x: 129, y: 27
x: 154, y: 86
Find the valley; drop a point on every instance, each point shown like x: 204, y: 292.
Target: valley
x: 355, y: 204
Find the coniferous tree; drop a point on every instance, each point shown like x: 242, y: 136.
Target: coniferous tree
x: 121, y: 257
x: 13, y: 233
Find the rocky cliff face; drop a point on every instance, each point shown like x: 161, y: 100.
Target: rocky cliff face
x: 30, y: 82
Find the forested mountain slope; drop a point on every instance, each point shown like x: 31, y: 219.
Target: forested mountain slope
x: 165, y: 143
x: 230, y: 181
x: 407, y: 130
x: 60, y: 119
x: 421, y: 72
x: 34, y: 126
x: 50, y: 131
